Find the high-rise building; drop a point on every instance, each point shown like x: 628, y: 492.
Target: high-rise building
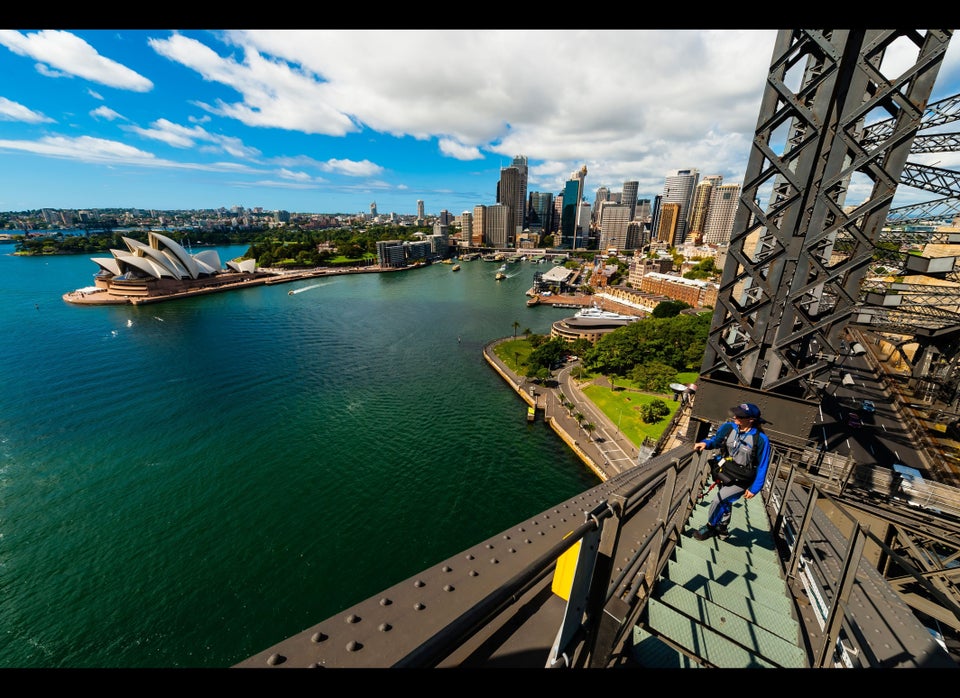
x: 724, y: 201
x: 655, y: 216
x: 629, y: 197
x: 373, y: 210
x: 557, y: 214
x: 508, y: 191
x: 582, y: 239
x: 466, y: 228
x: 642, y: 212
x: 678, y: 189
x: 420, y: 214
x: 635, y: 236
x: 540, y: 212
x: 613, y: 226
x: 571, y: 227
x: 700, y: 206
x: 520, y: 162
x: 603, y: 196
x: 479, y: 237
x: 668, y: 223
x: 496, y: 229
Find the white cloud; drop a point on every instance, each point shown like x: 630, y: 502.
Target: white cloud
x: 352, y: 168
x: 179, y: 136
x: 105, y: 113
x: 61, y: 53
x: 104, y: 151
x: 459, y: 150
x: 14, y: 111
x: 607, y: 97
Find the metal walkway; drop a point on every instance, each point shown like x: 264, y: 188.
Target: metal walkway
x: 722, y: 603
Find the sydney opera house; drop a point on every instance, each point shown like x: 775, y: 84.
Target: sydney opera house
x: 158, y: 268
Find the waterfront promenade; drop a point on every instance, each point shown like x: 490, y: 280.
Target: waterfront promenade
x: 604, y: 450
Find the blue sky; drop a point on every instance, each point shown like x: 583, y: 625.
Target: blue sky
x: 333, y: 120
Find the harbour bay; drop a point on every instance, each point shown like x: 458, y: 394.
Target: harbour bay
x: 186, y: 483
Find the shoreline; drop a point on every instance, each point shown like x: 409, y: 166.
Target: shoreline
x: 244, y: 280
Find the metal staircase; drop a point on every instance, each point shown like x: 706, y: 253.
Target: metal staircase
x: 722, y: 603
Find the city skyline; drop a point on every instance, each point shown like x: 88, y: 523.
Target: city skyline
x: 334, y: 121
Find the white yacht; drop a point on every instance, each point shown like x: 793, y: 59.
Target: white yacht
x: 595, y: 316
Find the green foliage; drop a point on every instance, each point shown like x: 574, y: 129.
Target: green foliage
x: 653, y: 411
x: 653, y: 376
x: 677, y: 341
x: 549, y: 353
x: 669, y: 308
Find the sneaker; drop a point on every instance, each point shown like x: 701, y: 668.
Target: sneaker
x: 704, y: 532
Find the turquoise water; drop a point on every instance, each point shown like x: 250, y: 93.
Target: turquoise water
x: 185, y: 484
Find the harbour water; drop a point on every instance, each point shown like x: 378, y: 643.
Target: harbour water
x: 184, y: 484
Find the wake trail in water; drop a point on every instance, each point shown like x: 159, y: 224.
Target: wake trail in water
x: 307, y: 288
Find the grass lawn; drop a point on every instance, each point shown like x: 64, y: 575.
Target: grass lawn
x: 622, y: 405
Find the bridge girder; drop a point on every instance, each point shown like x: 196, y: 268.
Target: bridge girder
x: 782, y: 287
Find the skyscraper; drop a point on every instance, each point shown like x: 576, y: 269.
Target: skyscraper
x: 499, y: 220
x: 479, y: 237
x: 613, y: 226
x: 629, y: 197
x: 420, y: 216
x: 678, y: 189
x: 540, y: 212
x: 571, y: 227
x: 723, y: 207
x: 668, y: 223
x: 700, y: 208
x: 508, y: 193
x: 520, y: 162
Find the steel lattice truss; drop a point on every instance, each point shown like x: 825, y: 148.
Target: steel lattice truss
x: 783, y: 291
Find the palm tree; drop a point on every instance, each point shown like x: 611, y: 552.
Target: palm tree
x: 515, y: 326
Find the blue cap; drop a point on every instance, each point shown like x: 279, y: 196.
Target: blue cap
x: 748, y: 410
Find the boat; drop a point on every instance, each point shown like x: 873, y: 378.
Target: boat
x: 455, y: 267
x: 594, y: 316
x: 533, y: 301
x: 501, y: 276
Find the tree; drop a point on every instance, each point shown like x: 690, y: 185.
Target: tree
x: 516, y: 325
x: 669, y: 308
x: 654, y: 411
x: 548, y: 354
x: 653, y: 376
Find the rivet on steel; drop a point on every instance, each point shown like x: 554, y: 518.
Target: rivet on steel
x: 418, y: 606
x: 318, y: 637
x: 353, y: 618
x: 419, y: 583
x: 353, y: 646
x: 384, y: 627
x: 275, y: 659
x: 448, y: 587
x: 385, y: 601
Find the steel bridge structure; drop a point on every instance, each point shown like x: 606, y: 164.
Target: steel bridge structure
x: 832, y: 569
